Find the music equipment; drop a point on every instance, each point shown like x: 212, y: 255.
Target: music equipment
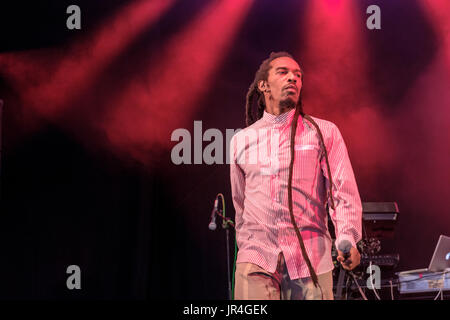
x: 381, y: 260
x: 435, y: 278
x: 423, y: 280
x: 379, y: 219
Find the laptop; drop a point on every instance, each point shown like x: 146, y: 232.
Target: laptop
x: 441, y: 256
x: 435, y: 278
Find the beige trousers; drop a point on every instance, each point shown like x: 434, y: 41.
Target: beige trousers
x: 254, y: 283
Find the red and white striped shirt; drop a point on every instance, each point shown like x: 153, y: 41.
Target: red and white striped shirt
x: 259, y: 170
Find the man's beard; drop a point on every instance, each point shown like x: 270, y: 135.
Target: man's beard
x: 287, y: 103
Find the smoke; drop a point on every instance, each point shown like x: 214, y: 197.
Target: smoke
x: 337, y: 87
x: 423, y: 121
x: 146, y: 111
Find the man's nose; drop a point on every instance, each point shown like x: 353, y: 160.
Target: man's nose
x: 291, y: 77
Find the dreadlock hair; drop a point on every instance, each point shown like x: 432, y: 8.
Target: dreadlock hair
x: 253, y: 91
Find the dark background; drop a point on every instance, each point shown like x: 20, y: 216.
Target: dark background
x: 137, y: 225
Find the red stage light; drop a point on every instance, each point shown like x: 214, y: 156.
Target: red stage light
x: 337, y: 85
x: 47, y: 81
x: 182, y: 71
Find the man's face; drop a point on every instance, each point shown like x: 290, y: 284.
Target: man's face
x: 283, y: 82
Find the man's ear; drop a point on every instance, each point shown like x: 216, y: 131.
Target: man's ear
x: 263, y: 86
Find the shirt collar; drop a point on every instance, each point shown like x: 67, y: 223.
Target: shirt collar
x: 281, y: 119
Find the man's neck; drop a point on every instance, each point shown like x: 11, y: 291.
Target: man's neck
x: 276, y: 109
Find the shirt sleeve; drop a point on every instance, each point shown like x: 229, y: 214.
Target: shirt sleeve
x: 237, y: 177
x: 347, y: 216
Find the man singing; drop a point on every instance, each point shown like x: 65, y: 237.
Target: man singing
x: 287, y: 170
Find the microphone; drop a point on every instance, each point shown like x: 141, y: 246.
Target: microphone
x: 212, y: 225
x: 345, y: 247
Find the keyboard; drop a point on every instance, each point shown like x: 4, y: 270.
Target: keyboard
x: 381, y: 260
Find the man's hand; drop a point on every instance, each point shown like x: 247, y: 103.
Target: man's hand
x: 352, y: 261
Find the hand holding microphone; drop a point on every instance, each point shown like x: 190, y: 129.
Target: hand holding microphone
x: 348, y: 256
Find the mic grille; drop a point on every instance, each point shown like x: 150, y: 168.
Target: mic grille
x: 345, y: 246
x: 212, y: 226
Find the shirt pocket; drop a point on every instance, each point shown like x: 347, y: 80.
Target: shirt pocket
x: 306, y: 163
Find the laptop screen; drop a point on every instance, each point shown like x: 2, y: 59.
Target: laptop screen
x: 441, y: 256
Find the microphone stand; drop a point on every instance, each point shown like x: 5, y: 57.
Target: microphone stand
x: 226, y: 224
x: 340, y: 283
